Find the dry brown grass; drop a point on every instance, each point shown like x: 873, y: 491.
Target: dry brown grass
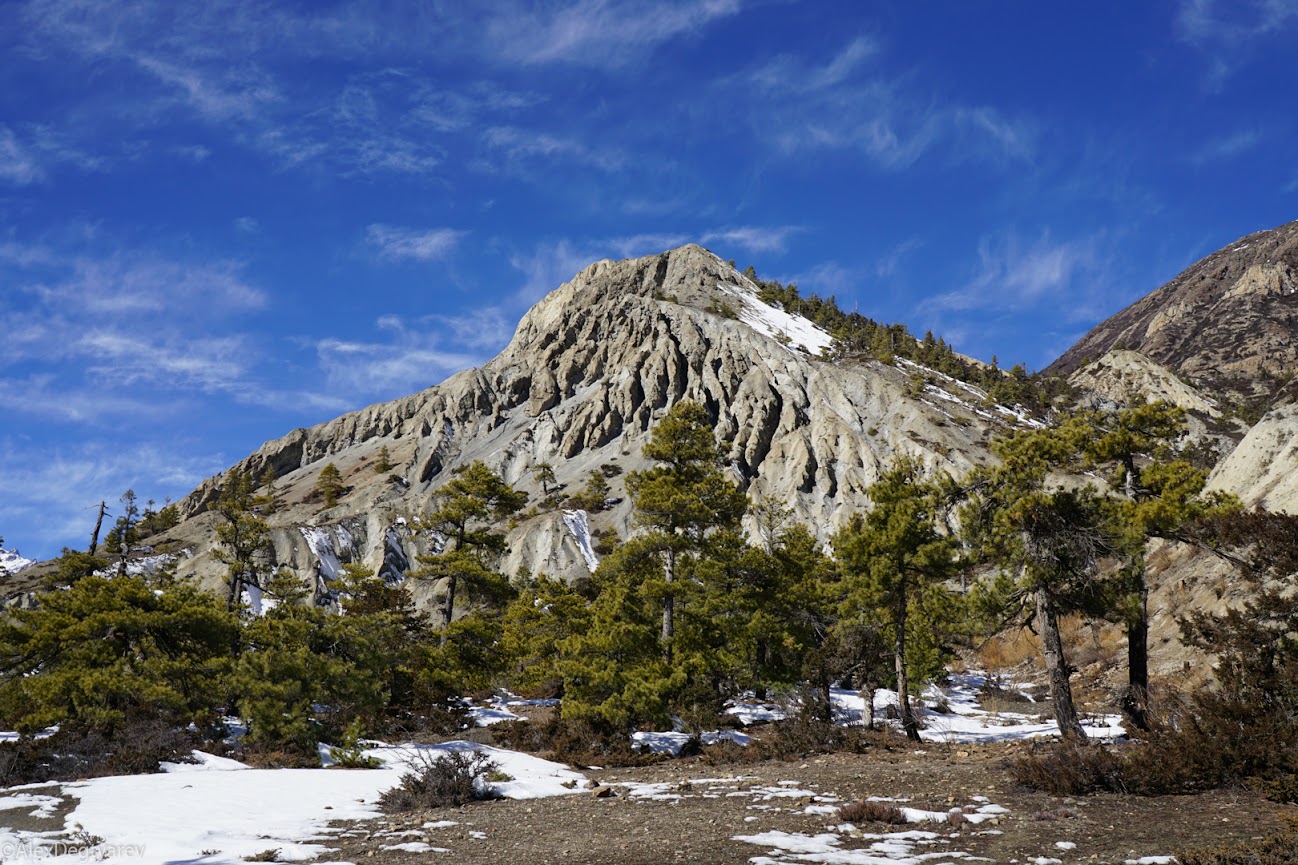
x: 871, y: 811
x: 1010, y: 649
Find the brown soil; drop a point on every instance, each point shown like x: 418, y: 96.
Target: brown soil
x: 714, y: 804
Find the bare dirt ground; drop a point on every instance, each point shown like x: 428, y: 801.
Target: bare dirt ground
x: 698, y: 810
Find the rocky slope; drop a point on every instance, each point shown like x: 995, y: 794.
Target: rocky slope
x: 1225, y: 322
x: 588, y: 372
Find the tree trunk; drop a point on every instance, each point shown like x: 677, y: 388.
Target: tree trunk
x: 236, y: 585
x: 99, y: 522
x: 908, y: 721
x: 1061, y: 691
x: 1135, y: 703
x: 448, y: 610
x: 759, y: 664
x: 867, y: 697
x: 669, y: 605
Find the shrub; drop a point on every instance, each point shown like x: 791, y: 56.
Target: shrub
x: 137, y: 747
x: 1069, y: 769
x: 446, y: 780
x: 577, y: 742
x: 871, y: 811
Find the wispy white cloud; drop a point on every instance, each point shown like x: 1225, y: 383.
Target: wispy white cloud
x: 753, y: 238
x: 29, y: 154
x: 890, y: 264
x: 122, y: 360
x: 1229, y: 33
x: 1227, y: 147
x: 789, y: 73
x: 518, y: 148
x: 1205, y: 22
x: 483, y: 329
x: 419, y: 244
x: 1012, y: 274
x: 410, y: 360
x: 849, y: 103
x: 134, y: 283
x: 217, y: 95
x: 124, y: 332
x: 596, y: 32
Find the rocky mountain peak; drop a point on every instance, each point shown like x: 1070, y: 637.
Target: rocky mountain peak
x: 587, y: 373
x: 1224, y: 322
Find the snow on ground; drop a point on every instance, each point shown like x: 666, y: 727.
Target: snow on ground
x: 776, y: 323
x: 952, y: 714
x: 578, y: 525
x: 499, y: 708
x: 11, y: 562
x: 673, y: 742
x: 908, y: 848
x: 191, y: 810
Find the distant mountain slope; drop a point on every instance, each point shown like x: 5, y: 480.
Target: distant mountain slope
x: 1224, y: 322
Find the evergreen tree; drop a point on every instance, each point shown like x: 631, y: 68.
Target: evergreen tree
x: 469, y: 507
x: 682, y: 498
x: 615, y: 675
x: 123, y: 535
x: 306, y: 674
x: 329, y: 484
x: 103, y: 651
x: 383, y: 462
x: 543, y: 473
x: 895, y: 564
x: 243, y: 537
x: 1155, y: 492
x: 71, y: 567
x: 594, y: 495
x: 1053, y: 539
x: 545, y: 613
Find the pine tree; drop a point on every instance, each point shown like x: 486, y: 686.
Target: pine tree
x: 615, y: 675
x: 383, y: 462
x: 895, y: 564
x: 543, y: 473
x: 545, y: 613
x: 329, y: 484
x: 103, y: 651
x: 243, y: 537
x: 682, y: 498
x: 1053, y: 539
x: 124, y: 534
x: 1156, y: 492
x: 469, y: 508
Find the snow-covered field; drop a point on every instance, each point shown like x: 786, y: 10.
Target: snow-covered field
x: 221, y: 811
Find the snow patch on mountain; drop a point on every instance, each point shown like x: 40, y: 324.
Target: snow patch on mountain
x: 793, y: 330
x: 327, y: 545
x: 11, y: 562
x: 578, y: 525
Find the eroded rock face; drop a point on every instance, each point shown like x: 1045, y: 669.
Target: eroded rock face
x: 1263, y: 468
x: 589, y: 371
x: 1125, y: 377
x: 1221, y: 322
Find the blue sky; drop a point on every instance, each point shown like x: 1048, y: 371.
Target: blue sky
x: 223, y: 220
